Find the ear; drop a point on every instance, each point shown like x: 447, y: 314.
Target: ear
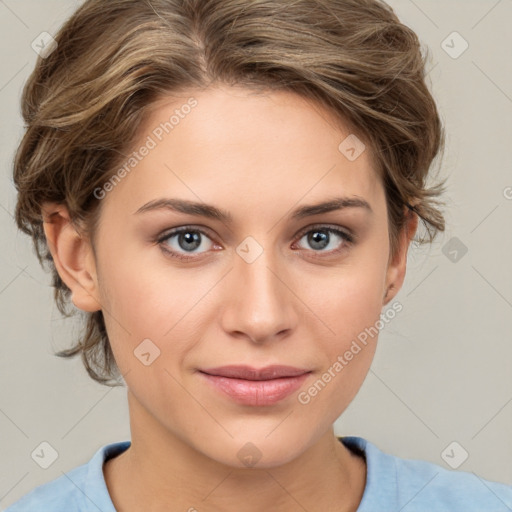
x: 395, y: 274
x: 73, y: 257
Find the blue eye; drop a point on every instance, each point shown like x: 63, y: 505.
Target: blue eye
x: 187, y: 241
x: 319, y: 237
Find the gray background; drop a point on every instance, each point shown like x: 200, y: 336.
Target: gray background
x: 443, y: 368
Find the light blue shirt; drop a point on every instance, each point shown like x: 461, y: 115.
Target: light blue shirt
x: 393, y: 484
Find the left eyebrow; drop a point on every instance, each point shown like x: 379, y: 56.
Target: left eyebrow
x: 338, y: 203
x: 212, y: 212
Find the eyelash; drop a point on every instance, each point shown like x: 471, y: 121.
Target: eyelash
x: 347, y: 239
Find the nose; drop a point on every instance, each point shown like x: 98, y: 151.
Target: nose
x: 259, y: 303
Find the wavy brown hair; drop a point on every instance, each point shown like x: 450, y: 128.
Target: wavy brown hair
x: 84, y: 102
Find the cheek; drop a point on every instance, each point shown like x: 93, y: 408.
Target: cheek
x: 353, y: 302
x: 352, y: 310
x: 353, y: 314
x: 139, y: 290
x: 157, y: 303
x: 138, y: 306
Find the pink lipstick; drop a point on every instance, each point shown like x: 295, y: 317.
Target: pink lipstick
x: 253, y: 386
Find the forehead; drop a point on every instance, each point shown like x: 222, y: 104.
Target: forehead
x: 231, y: 143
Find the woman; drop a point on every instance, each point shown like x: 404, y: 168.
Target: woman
x: 228, y: 189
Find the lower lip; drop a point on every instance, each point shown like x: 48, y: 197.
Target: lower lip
x: 256, y: 392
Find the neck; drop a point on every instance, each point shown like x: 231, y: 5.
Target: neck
x: 163, y: 472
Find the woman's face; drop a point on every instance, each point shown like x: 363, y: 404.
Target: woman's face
x: 264, y: 287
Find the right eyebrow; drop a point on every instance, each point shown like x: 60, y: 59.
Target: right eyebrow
x: 189, y: 207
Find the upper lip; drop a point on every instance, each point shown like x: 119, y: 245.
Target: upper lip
x: 250, y: 373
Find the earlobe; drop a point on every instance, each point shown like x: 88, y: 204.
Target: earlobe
x: 72, y: 256
x: 397, y: 267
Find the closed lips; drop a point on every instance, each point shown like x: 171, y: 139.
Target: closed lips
x: 249, y: 373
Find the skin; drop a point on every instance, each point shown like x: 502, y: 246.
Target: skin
x: 257, y: 156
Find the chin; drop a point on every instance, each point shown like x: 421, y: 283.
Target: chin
x: 256, y: 450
